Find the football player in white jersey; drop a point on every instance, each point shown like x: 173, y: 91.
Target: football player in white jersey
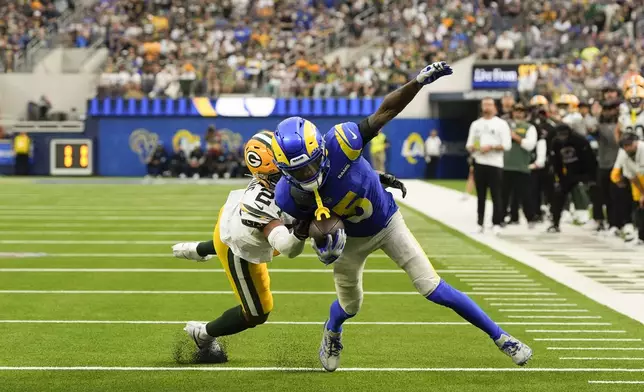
x: 249, y: 229
x: 630, y: 164
x: 633, y: 120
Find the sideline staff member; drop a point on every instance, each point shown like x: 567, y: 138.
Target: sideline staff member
x: 487, y: 140
x: 21, y: 151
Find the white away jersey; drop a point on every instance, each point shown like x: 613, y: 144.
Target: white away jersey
x: 245, y: 214
x: 632, y: 124
x: 631, y: 167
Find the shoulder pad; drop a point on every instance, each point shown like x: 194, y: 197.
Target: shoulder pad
x: 253, y: 224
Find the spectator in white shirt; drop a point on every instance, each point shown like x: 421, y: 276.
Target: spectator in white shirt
x: 505, y: 45
x: 433, y: 150
x: 487, y: 140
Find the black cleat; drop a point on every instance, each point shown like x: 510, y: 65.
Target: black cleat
x: 553, y: 229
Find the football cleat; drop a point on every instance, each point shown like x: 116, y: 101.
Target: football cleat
x: 629, y: 232
x: 330, y: 349
x: 188, y: 250
x: 513, y: 348
x: 209, y: 349
x: 496, y: 230
x: 553, y: 229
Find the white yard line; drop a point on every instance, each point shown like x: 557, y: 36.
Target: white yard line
x: 79, y: 233
x: 478, y: 276
x: 597, y: 349
x: 161, y: 322
x: 601, y: 358
x: 495, y: 280
x: 303, y: 369
x: 585, y: 340
x: 545, y: 310
x: 510, y: 289
x: 135, y: 217
x: 554, y: 317
x: 531, y: 299
x: 615, y: 382
x: 520, y: 304
x: 487, y: 284
x: 573, y: 331
x: 181, y: 292
x: 207, y: 270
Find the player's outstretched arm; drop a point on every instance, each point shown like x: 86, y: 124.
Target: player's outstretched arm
x: 396, y: 101
x: 283, y: 241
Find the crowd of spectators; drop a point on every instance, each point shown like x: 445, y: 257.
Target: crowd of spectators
x: 181, y: 48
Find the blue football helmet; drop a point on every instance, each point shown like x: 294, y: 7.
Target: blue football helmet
x: 298, y: 147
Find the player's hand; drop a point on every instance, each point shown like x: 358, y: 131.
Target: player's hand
x: 333, y: 247
x: 516, y: 137
x: 433, y: 72
x: 389, y: 180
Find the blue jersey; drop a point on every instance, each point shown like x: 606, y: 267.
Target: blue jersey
x: 352, y: 188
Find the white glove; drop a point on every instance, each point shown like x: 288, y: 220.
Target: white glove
x: 332, y: 249
x: 188, y: 250
x: 433, y: 72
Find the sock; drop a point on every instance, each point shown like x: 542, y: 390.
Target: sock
x: 206, y: 248
x: 337, y: 316
x: 448, y: 296
x: 230, y: 322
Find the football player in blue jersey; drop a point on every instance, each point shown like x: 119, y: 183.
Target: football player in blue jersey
x: 329, y: 171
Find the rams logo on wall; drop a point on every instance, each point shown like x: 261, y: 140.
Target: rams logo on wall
x: 413, y: 147
x: 143, y: 143
x: 185, y: 140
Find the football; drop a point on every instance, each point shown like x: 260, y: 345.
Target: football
x: 319, y: 229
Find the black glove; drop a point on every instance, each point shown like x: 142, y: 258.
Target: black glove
x: 389, y: 180
x: 301, y: 229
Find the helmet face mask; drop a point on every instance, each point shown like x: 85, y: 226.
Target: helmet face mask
x: 300, y: 153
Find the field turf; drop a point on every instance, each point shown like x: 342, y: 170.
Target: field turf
x: 92, y: 300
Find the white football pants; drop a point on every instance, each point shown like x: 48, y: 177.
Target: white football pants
x: 400, y: 245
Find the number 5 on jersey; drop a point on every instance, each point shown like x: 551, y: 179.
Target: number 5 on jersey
x: 354, y: 209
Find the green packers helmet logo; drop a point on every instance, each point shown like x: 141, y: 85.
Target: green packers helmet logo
x: 143, y: 143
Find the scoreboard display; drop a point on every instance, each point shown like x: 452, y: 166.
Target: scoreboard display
x: 71, y: 157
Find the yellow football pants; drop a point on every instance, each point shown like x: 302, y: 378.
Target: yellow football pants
x: 250, y: 282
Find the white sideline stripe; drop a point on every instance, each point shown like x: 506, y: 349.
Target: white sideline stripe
x: 546, y: 310
x: 598, y: 348
x: 556, y: 317
x: 527, y: 299
x: 464, y: 323
x: 520, y: 304
x: 451, y: 212
x: 222, y: 292
x: 614, y: 382
x: 573, y: 331
x: 305, y: 369
x: 601, y: 359
x: 584, y: 340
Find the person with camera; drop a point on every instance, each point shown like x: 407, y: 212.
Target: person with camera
x: 632, y: 168
x: 574, y: 166
x: 606, y: 193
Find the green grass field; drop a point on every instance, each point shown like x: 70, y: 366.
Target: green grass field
x: 99, y: 305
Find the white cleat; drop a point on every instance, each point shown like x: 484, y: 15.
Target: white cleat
x: 188, y: 250
x: 513, y: 348
x: 629, y: 232
x: 197, y: 331
x: 330, y: 349
x: 496, y: 230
